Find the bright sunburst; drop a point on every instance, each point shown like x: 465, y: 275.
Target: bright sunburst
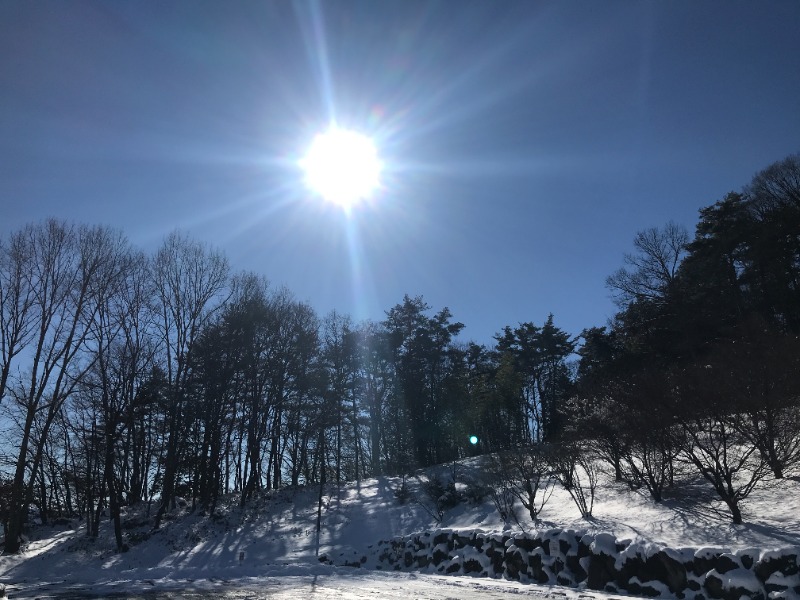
x: 342, y: 166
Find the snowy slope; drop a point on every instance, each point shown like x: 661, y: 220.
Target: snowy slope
x: 275, y: 535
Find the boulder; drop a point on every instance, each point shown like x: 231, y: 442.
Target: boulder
x: 643, y: 588
x: 471, y: 565
x: 704, y: 560
x: 573, y: 564
x: 601, y: 571
x: 733, y: 585
x: 662, y: 567
x: 515, y: 563
x: 443, y: 537
x: 784, y: 561
x: 439, y: 555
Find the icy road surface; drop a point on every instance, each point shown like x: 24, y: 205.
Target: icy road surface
x: 353, y: 585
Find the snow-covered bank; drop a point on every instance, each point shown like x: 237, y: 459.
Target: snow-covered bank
x: 275, y: 534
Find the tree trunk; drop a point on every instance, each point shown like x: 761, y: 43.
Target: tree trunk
x: 374, y: 427
x: 18, y: 507
x: 111, y: 485
x: 736, y: 513
x: 170, y: 465
x: 321, y: 487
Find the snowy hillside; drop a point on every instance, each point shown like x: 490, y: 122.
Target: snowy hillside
x: 276, y: 534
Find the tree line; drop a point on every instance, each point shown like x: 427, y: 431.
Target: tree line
x: 699, y: 370
x: 128, y: 378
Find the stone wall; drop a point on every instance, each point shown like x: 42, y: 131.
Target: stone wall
x: 592, y: 561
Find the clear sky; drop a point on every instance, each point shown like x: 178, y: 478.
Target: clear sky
x: 525, y: 142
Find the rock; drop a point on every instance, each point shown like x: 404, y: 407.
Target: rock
x: 704, y: 560
x: 634, y: 586
x: 574, y: 565
x: 783, y: 561
x: 564, y: 580
x: 713, y: 586
x: 727, y: 562
x: 526, y: 543
x: 442, y: 537
x: 601, y: 571
x: 564, y: 546
x: 535, y: 566
x: 471, y: 565
x: 515, y: 565
x: 438, y: 556
x: 632, y: 566
x: 557, y: 566
x: 693, y: 585
x: 460, y: 541
x: 662, y: 567
x: 748, y: 557
x: 733, y: 585
x: 778, y: 584
x: 495, y: 555
x: 453, y: 568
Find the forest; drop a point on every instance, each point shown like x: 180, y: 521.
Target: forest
x: 128, y: 378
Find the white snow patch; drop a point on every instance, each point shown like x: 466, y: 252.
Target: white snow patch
x: 738, y: 579
x: 604, y: 543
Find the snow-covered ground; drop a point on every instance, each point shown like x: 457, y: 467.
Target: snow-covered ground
x: 271, y: 547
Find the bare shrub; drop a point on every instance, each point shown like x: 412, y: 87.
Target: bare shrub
x: 575, y: 468
x: 524, y: 474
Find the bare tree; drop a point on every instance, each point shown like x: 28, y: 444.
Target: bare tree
x: 650, y: 459
x: 69, y: 272
x: 576, y: 470
x: 712, y: 439
x: 17, y: 318
x: 133, y: 363
x: 525, y: 473
x: 651, y: 271
x: 724, y: 458
x: 757, y: 374
x: 777, y: 185
x: 120, y: 365
x: 190, y: 281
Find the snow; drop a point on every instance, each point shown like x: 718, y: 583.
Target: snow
x: 604, y: 543
x: 739, y: 579
x: 709, y: 552
x: 662, y: 589
x: 782, y: 580
x: 271, y: 545
x: 780, y: 553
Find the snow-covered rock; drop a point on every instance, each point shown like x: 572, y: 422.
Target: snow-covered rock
x: 594, y: 561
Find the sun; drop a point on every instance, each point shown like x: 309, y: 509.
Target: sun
x: 342, y: 166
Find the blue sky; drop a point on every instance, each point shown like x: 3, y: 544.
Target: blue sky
x: 525, y: 142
